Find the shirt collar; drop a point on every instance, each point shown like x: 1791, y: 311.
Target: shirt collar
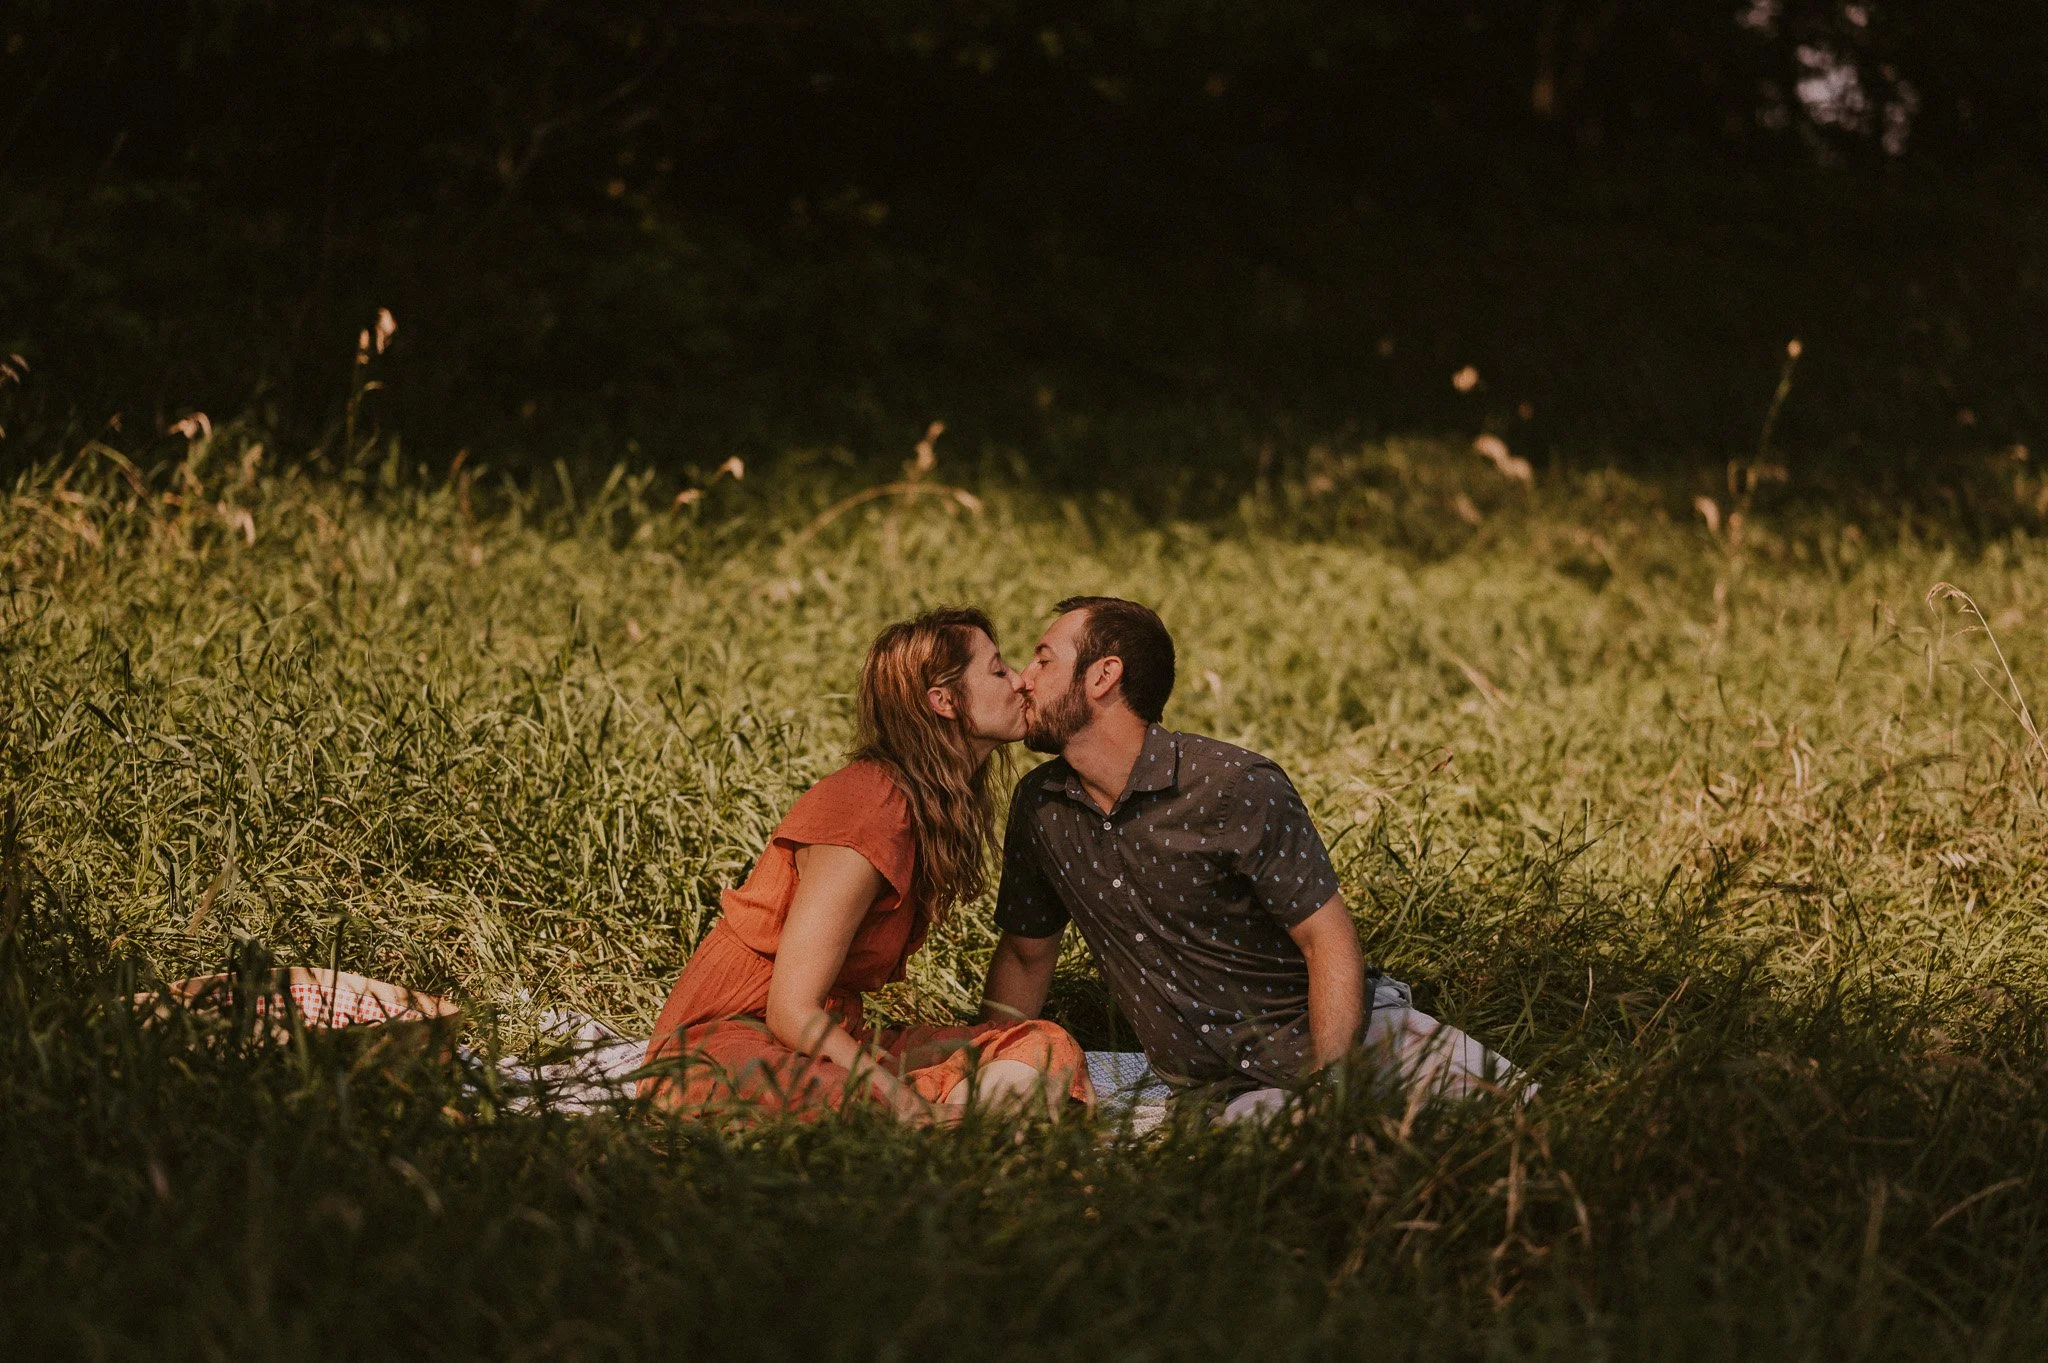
x: 1157, y: 768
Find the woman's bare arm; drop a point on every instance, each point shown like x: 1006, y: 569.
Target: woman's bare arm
x: 834, y: 889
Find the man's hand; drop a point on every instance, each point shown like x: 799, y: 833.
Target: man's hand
x: 1336, y: 979
x: 1019, y: 974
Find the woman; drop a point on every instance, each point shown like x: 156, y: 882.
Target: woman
x: 768, y: 1012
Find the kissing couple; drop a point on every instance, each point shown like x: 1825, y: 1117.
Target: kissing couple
x: 1191, y: 867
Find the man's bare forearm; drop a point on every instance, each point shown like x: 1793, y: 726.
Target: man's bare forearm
x: 1336, y: 980
x: 1336, y: 1008
x: 1019, y: 976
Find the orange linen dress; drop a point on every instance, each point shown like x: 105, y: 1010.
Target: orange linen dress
x: 712, y: 1037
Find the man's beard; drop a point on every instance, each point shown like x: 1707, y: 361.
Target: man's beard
x: 1047, y: 730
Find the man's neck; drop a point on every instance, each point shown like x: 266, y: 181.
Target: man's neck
x: 1104, y: 753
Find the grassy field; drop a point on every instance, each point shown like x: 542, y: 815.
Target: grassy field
x: 1714, y: 821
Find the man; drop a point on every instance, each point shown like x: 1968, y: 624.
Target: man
x: 1191, y: 866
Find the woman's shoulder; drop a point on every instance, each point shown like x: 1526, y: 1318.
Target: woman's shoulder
x: 859, y: 791
x: 858, y: 806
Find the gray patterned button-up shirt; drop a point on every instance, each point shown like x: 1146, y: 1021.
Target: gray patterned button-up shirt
x: 1185, y: 891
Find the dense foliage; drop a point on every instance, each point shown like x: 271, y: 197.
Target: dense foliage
x: 1708, y: 814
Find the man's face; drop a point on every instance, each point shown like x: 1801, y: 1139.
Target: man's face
x: 1055, y: 701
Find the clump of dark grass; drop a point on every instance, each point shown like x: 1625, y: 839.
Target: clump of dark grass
x: 1749, y: 883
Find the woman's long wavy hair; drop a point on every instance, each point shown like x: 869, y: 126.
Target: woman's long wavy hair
x: 952, y: 809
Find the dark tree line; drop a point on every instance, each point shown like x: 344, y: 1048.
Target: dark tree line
x: 463, y: 88
x: 687, y: 222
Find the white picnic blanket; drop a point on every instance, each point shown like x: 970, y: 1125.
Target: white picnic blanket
x: 589, y: 1066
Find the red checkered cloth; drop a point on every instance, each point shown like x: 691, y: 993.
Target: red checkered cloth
x: 341, y: 1005
x: 321, y: 998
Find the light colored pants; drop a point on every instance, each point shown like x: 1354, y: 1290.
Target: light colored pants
x: 1417, y: 1050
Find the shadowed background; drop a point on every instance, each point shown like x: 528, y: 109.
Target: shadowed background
x: 1162, y: 245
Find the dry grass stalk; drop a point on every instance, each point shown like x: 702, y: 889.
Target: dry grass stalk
x: 912, y: 485
x: 2010, y: 696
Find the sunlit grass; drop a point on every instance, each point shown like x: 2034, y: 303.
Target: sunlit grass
x: 1733, y: 840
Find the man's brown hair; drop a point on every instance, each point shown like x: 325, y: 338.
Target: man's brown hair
x: 1116, y: 628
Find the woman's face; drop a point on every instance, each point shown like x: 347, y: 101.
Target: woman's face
x: 993, y: 695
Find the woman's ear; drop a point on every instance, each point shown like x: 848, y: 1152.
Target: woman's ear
x: 942, y: 702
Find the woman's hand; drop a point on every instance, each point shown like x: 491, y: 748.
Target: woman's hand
x: 909, y: 1106
x: 912, y: 1110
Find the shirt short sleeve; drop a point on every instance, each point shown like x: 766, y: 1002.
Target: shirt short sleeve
x: 1027, y: 905
x: 859, y: 806
x: 1274, y: 844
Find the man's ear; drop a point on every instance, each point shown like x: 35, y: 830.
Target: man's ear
x: 1105, y: 677
x: 942, y: 703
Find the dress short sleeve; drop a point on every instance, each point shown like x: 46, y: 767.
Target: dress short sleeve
x: 859, y: 806
x: 1272, y: 842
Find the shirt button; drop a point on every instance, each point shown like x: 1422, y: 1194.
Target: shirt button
x: 1118, y: 883
x: 1105, y: 823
